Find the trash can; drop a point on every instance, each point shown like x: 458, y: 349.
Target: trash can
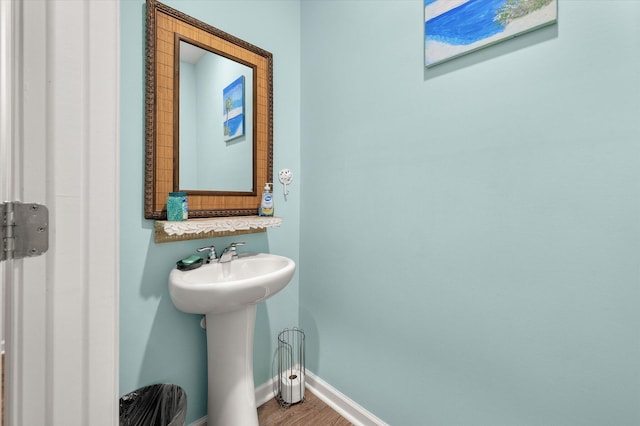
x: 155, y: 405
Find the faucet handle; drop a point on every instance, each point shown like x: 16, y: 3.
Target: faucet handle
x: 230, y: 252
x: 211, y: 257
x: 232, y: 247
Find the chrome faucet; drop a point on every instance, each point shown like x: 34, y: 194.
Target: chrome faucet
x: 211, y: 257
x: 230, y: 253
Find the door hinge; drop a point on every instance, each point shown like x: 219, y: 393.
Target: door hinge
x: 24, y: 230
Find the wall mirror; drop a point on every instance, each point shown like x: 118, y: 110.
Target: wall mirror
x: 209, y: 117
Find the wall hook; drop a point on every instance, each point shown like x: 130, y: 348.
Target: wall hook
x: 286, y: 177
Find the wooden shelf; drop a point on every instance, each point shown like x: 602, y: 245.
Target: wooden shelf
x: 193, y: 229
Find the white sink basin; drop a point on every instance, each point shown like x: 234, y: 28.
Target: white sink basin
x: 224, y: 287
x: 228, y: 293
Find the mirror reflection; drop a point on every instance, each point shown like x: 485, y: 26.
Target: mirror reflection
x: 216, y: 145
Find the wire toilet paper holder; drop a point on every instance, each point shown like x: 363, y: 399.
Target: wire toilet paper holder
x: 290, y: 383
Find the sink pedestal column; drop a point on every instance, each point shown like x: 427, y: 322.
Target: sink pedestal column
x: 231, y: 399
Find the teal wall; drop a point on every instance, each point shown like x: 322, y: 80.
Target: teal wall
x: 158, y: 343
x: 471, y: 232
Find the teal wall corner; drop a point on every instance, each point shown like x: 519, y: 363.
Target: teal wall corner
x: 467, y: 238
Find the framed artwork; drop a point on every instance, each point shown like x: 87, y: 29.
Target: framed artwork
x: 233, y: 109
x: 456, y: 27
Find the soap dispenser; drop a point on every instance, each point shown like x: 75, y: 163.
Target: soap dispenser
x: 266, y: 205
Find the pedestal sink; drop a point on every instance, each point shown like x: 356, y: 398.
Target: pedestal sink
x: 227, y: 293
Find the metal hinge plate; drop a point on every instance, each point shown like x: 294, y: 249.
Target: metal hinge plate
x: 24, y: 230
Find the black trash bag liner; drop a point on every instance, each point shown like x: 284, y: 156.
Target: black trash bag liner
x: 155, y: 405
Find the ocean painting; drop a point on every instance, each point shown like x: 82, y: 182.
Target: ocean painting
x: 456, y: 27
x: 233, y: 109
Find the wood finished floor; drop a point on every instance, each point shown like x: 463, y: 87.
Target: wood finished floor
x: 311, y: 412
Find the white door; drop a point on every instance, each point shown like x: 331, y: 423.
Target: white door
x: 59, y: 85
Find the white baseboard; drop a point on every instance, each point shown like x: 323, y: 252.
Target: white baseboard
x: 342, y: 404
x: 265, y: 393
x: 339, y: 402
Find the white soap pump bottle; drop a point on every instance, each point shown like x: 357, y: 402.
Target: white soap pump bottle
x: 266, y: 205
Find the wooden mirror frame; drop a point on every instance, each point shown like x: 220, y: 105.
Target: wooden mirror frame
x: 165, y: 25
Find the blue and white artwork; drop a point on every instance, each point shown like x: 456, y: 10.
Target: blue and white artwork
x: 233, y: 109
x: 456, y: 27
